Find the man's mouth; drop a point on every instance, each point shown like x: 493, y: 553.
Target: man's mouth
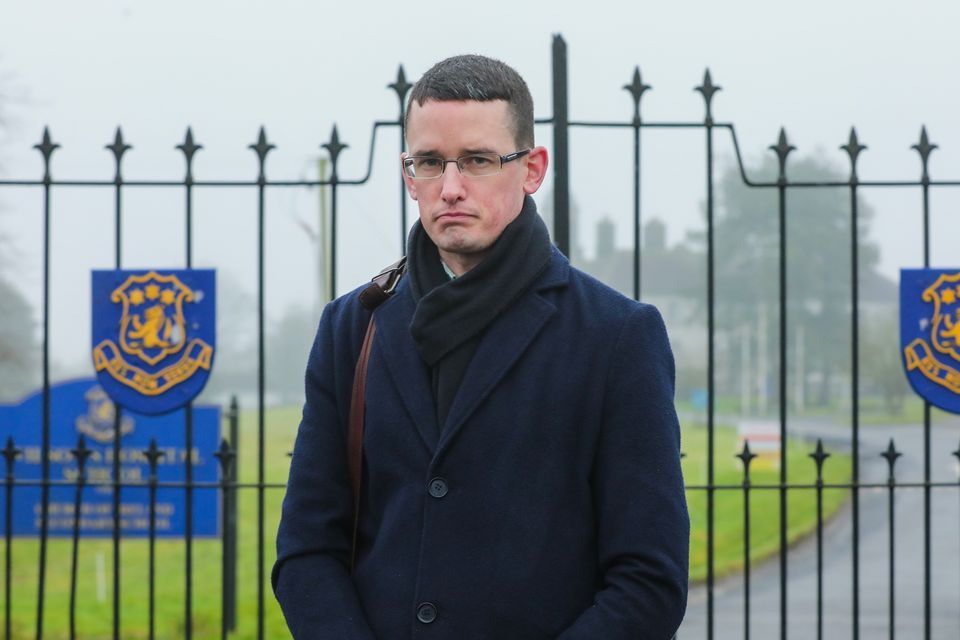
x: 453, y: 215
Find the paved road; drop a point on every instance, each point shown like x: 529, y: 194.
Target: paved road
x: 874, y: 553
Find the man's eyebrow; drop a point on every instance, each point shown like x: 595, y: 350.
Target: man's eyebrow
x: 463, y: 152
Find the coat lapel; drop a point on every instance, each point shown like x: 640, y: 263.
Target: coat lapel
x: 502, y: 345
x: 407, y: 370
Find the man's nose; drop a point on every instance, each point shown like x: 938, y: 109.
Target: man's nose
x: 453, y: 187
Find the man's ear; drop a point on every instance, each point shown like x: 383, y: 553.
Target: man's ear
x: 537, y: 162
x: 407, y: 180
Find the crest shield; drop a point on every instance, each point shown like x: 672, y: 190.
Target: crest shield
x: 930, y: 334
x: 153, y: 336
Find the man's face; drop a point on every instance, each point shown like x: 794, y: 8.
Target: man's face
x: 465, y: 215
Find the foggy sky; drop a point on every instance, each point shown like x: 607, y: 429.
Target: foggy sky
x: 226, y: 68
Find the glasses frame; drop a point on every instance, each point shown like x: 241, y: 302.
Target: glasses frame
x: 407, y: 162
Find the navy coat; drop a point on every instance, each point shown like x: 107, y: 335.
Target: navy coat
x: 550, y: 505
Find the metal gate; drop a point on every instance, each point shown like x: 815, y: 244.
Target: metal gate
x: 231, y: 486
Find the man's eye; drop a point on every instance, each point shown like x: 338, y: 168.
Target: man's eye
x: 428, y: 163
x: 477, y: 161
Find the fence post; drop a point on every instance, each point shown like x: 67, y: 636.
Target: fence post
x: 561, y: 165
x: 230, y: 524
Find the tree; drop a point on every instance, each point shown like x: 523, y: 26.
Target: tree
x: 235, y: 359
x: 818, y: 268
x: 882, y: 365
x: 19, y: 355
x: 288, y: 345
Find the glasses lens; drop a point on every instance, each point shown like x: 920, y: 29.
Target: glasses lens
x: 423, y: 166
x: 479, y: 164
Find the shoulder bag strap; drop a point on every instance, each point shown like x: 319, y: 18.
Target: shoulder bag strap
x: 355, y: 436
x: 379, y: 290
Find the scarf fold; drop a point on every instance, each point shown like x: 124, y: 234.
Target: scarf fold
x: 452, y: 314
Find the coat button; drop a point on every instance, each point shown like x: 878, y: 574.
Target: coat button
x: 426, y: 613
x: 438, y: 487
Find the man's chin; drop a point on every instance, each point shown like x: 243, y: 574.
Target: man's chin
x: 454, y: 240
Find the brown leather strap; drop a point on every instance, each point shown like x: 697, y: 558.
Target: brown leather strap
x: 381, y: 287
x: 355, y: 435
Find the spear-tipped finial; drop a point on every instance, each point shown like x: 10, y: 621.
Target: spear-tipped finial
x: 636, y: 88
x: 10, y: 453
x: 81, y: 453
x: 46, y: 146
x: 334, y: 147
x: 46, y: 149
x: 819, y: 456
x: 118, y: 147
x: 746, y: 457
x: 153, y: 455
x: 400, y: 86
x: 189, y: 148
x: 891, y: 455
x: 853, y: 149
x: 261, y: 147
x: 225, y: 455
x: 707, y: 90
x: 782, y: 149
x: 924, y: 148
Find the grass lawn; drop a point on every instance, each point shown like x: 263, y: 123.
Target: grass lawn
x: 95, y: 592
x: 873, y: 410
x: 95, y: 569
x: 764, y: 503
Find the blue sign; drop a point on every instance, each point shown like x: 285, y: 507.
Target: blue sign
x: 930, y: 334
x: 153, y: 336
x: 82, y: 407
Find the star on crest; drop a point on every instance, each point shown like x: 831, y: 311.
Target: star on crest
x: 136, y: 296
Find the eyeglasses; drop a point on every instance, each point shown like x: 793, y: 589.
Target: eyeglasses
x: 474, y: 165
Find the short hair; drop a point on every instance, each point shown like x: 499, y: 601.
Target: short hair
x: 475, y: 77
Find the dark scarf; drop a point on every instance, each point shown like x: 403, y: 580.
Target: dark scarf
x: 451, y: 314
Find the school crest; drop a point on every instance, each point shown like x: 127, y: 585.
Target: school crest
x: 153, y: 336
x: 930, y: 334
x: 98, y: 423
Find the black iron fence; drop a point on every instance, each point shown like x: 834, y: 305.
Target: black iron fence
x: 231, y: 486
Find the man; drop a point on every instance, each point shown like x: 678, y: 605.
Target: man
x: 521, y: 470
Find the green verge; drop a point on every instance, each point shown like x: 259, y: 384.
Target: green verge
x: 728, y: 522
x: 94, y: 612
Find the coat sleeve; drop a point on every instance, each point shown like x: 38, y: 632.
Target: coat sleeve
x: 643, y: 528
x: 311, y: 577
